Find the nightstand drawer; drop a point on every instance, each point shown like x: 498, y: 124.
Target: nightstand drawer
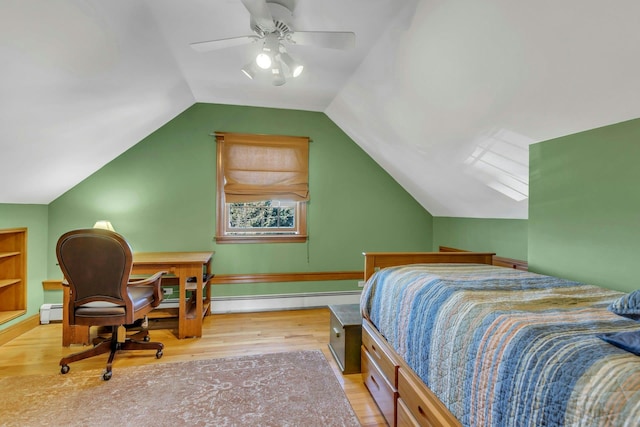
x: 345, y: 336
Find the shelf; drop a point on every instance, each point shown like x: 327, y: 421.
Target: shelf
x: 13, y: 273
x: 191, y: 308
x: 163, y: 313
x: 8, y: 282
x: 191, y: 285
x: 5, y: 316
x: 8, y: 254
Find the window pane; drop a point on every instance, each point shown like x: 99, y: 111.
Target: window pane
x: 269, y: 216
x: 287, y: 217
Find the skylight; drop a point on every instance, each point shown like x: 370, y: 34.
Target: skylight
x: 501, y: 161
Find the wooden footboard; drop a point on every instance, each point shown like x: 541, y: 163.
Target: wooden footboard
x: 402, y: 397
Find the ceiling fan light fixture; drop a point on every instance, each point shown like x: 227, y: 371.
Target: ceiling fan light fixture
x: 277, y: 75
x: 270, y: 22
x: 264, y: 61
x: 294, y: 67
x: 266, y: 57
x: 297, y: 70
x: 250, y: 70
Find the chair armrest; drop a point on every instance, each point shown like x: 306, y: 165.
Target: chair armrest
x: 148, y: 280
x: 154, y: 281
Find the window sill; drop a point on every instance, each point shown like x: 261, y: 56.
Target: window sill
x: 261, y: 239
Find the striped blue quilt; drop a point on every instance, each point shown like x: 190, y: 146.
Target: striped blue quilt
x: 502, y: 347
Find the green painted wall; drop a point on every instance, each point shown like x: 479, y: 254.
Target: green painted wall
x: 584, y: 206
x: 34, y: 217
x: 160, y: 195
x: 505, y: 237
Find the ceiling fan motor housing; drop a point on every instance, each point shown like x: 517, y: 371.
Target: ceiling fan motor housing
x: 281, y: 11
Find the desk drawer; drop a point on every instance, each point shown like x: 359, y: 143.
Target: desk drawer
x: 382, y: 392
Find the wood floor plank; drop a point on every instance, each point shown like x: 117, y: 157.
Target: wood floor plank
x: 39, y: 350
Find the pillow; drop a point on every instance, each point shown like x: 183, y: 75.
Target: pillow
x: 628, y: 305
x: 629, y: 341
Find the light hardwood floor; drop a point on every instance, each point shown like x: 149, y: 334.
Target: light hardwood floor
x: 39, y: 350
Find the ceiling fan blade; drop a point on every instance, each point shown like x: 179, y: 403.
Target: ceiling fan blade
x: 329, y: 39
x: 210, y: 45
x: 260, y: 14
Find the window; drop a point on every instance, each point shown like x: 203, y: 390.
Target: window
x: 262, y: 188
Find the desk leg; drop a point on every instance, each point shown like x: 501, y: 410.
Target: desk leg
x: 190, y: 310
x: 206, y: 300
x: 182, y: 302
x: 72, y: 334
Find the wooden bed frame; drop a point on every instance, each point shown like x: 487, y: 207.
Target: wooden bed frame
x: 402, y: 397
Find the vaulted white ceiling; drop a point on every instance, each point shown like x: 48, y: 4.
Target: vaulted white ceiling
x: 446, y: 95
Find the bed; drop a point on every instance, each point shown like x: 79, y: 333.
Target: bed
x: 449, y: 339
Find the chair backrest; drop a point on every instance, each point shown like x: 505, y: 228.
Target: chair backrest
x: 97, y: 264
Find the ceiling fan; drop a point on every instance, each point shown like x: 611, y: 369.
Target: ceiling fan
x: 269, y: 20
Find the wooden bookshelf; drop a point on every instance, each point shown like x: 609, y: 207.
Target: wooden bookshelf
x: 13, y: 273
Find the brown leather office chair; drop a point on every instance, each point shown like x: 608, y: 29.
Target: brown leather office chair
x: 97, y: 265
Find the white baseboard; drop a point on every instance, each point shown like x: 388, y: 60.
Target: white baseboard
x: 282, y: 301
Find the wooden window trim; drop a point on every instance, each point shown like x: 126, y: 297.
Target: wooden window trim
x: 284, y: 238
x: 300, y: 237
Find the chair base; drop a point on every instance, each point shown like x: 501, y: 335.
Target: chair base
x: 139, y: 341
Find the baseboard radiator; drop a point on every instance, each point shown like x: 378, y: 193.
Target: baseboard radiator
x: 253, y: 303
x: 242, y: 304
x: 50, y: 313
x: 282, y: 302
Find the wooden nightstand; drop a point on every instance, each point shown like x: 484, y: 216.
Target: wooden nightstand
x: 345, y: 336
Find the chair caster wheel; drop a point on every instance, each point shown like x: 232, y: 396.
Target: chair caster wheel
x: 147, y: 338
x: 107, y: 375
x: 159, y: 354
x: 64, y: 369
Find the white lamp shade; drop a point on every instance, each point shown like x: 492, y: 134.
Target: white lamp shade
x: 277, y: 76
x: 294, y: 67
x: 250, y: 69
x: 103, y: 224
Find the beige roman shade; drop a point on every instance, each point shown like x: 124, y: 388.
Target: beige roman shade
x: 263, y: 167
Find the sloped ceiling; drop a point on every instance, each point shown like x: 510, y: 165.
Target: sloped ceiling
x: 445, y: 95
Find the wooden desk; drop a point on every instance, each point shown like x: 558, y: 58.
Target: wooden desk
x: 182, y: 265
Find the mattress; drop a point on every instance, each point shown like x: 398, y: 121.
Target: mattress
x: 503, y: 347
